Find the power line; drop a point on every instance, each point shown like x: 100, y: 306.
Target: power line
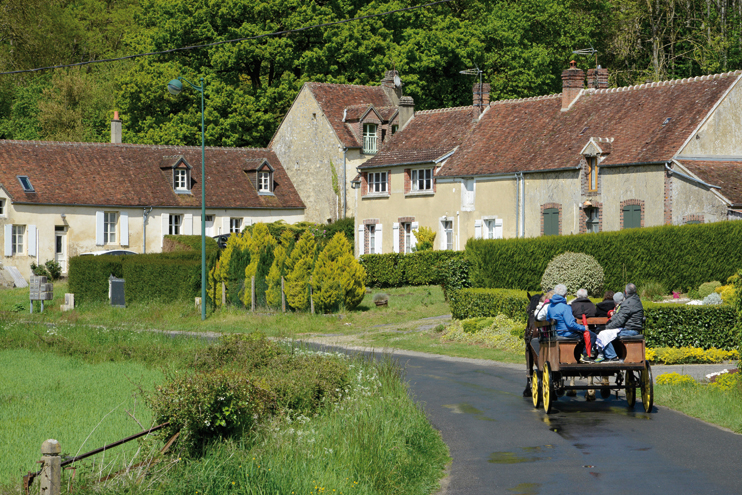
x: 216, y: 43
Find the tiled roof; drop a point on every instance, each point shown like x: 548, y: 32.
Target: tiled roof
x: 428, y: 136
x: 648, y: 123
x: 725, y: 174
x: 335, y: 98
x: 134, y: 175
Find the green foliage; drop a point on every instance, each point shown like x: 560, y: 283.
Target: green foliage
x: 154, y: 277
x: 471, y: 303
x: 688, y: 355
x: 189, y: 243
x: 88, y: 276
x: 454, y: 276
x: 261, y: 246
x: 671, y: 325
x: 499, y: 332
x: 396, y: 270
x: 576, y: 271
x: 51, y: 270
x: 425, y: 239
x: 705, y: 251
x: 299, y: 268
x: 707, y: 288
x: 737, y: 302
x: 652, y: 290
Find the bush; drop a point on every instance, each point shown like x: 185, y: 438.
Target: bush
x: 499, y: 332
x: 299, y: 269
x: 712, y: 299
x: 469, y: 303
x: 338, y: 278
x: 671, y: 325
x: 88, y: 276
x: 454, y: 276
x: 675, y: 379
x: 704, y: 251
x: 687, y: 355
x: 654, y: 291
x: 576, y: 271
x: 425, y: 239
x: 705, y: 289
x: 397, y: 270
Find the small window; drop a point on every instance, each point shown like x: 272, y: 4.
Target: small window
x: 180, y: 179
x: 2, y: 207
x: 175, y: 222
x: 395, y: 128
x: 407, y: 237
x: 422, y: 179
x: 377, y: 182
x: 369, y: 138
x: 551, y: 221
x: 593, y: 220
x: 371, y: 239
x: 109, y: 227
x: 492, y: 229
x: 632, y: 216
x: 25, y: 183
x: 264, y: 182
x: 19, y: 232
x: 448, y: 233
x: 592, y: 174
x: 235, y: 225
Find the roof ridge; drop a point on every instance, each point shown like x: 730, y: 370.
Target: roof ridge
x: 315, y: 83
x: 128, y: 145
x: 531, y: 98
x: 441, y: 110
x: 667, y: 82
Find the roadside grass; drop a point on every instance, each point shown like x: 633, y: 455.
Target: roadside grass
x: 714, y: 405
x: 80, y: 404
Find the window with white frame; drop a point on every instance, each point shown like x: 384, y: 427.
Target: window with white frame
x: 176, y: 221
x: 448, y: 233
x: 180, y: 179
x: 422, y: 179
x: 407, y: 229
x: 264, y: 182
x: 235, y: 225
x: 492, y: 229
x: 377, y: 182
x: 19, y: 233
x: 369, y: 138
x: 371, y: 229
x: 109, y: 227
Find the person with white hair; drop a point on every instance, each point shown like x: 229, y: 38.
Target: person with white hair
x: 566, y: 326
x: 627, y: 321
x: 582, y: 305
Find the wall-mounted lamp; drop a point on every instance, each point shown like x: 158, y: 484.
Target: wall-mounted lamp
x: 587, y: 204
x: 64, y: 216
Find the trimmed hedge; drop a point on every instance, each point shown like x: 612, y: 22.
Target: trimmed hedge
x: 678, y: 257
x: 88, y: 276
x: 471, y: 303
x: 397, y: 270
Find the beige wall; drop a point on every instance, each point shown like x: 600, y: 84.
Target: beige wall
x: 689, y: 198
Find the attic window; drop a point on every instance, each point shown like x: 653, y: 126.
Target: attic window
x: 25, y: 183
x: 667, y: 121
x: 264, y: 182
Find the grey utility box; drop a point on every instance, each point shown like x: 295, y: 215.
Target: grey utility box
x: 40, y: 290
x: 116, y: 292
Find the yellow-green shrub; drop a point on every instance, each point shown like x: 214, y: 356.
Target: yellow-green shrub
x: 262, y: 242
x: 425, y: 238
x: 685, y: 355
x: 299, y: 267
x: 501, y: 333
x: 675, y: 379
x: 338, y: 278
x: 726, y: 381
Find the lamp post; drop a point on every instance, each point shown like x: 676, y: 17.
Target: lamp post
x: 175, y: 87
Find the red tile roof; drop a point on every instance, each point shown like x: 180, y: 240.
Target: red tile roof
x: 534, y: 134
x: 725, y: 174
x: 428, y: 136
x: 135, y: 175
x: 333, y: 99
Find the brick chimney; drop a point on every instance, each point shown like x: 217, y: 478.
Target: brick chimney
x: 393, y: 91
x: 573, y: 81
x: 480, y: 100
x: 597, y: 78
x: 406, y: 110
x: 116, y: 129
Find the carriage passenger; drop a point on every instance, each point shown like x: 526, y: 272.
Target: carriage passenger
x: 626, y: 322
x: 566, y: 326
x: 582, y: 305
x: 543, y: 306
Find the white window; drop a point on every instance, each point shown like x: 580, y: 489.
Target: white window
x: 109, y: 227
x: 19, y: 232
x: 180, y: 179
x: 448, y: 233
x: 175, y: 222
x: 235, y: 225
x: 493, y: 229
x: 377, y: 182
x: 369, y: 138
x: 422, y: 179
x: 407, y: 237
x: 264, y: 181
x: 372, y: 239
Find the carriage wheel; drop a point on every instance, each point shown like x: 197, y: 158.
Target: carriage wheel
x: 630, y: 389
x: 536, y: 389
x: 647, y: 386
x: 547, y: 387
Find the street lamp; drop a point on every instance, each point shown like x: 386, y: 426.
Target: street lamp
x: 175, y: 87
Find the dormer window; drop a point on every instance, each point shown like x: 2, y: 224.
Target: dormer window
x: 264, y: 182
x: 25, y: 183
x: 592, y: 173
x: 180, y: 179
x: 369, y: 139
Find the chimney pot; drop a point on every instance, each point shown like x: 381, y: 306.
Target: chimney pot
x: 597, y: 78
x: 573, y: 81
x: 406, y: 110
x: 116, y: 129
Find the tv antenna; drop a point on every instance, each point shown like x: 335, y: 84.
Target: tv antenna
x: 588, y: 51
x: 475, y: 72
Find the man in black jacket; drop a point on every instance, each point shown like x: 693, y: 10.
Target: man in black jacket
x: 582, y: 305
x: 629, y: 320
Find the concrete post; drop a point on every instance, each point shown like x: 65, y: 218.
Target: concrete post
x: 51, y: 472
x: 283, y: 297
x: 252, y: 292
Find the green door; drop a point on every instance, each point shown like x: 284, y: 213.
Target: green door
x: 632, y: 216
x: 551, y: 221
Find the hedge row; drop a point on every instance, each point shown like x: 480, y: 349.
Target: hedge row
x: 397, y: 270
x: 667, y: 325
x: 678, y: 257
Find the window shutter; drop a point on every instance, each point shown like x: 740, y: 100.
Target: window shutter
x: 632, y: 216
x: 32, y: 244
x: 361, y: 231
x: 124, y: 227
x: 247, y: 221
x: 413, y: 239
x: 225, y: 225
x: 442, y: 232
x: 378, y: 239
x: 8, y: 240
x: 551, y: 221
x: 98, y: 228
x: 477, y: 229
x: 395, y: 237
x: 498, y: 229
x: 188, y: 224
x: 165, y: 227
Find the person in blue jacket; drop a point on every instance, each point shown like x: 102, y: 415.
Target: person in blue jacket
x: 566, y: 325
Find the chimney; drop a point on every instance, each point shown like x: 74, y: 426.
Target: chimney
x: 406, y: 110
x: 573, y: 81
x: 116, y: 129
x: 392, y: 86
x: 597, y: 78
x: 480, y: 99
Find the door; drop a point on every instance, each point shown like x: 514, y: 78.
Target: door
x: 60, y: 247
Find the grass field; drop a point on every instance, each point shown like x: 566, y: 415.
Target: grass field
x: 720, y: 407
x: 81, y: 405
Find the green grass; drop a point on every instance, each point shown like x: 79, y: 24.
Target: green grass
x: 81, y: 405
x: 717, y: 406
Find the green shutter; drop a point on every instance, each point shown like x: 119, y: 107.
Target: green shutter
x: 632, y: 216
x: 551, y: 221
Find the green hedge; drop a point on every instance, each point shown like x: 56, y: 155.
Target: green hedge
x: 397, y: 270
x: 88, y: 276
x: 470, y: 303
x: 679, y: 257
x: 189, y: 243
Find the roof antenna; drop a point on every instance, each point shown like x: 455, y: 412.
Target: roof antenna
x: 588, y: 51
x: 474, y: 72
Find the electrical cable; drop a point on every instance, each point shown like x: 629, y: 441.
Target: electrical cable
x: 216, y: 43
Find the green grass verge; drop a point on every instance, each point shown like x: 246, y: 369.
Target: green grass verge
x: 81, y: 405
x: 718, y: 406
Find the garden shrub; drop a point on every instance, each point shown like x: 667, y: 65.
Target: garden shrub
x: 383, y: 270
x: 261, y: 246
x: 155, y: 277
x: 652, y: 290
x: 672, y: 325
x: 688, y: 355
x: 675, y: 379
x: 469, y: 303
x: 244, y: 352
x: 712, y: 299
x: 50, y: 269
x: 326, y: 283
x: 454, y: 276
x: 425, y: 239
x: 576, y: 271
x: 299, y: 267
x: 473, y: 325
x: 88, y: 276
x: 707, y: 288
x: 726, y: 381
x: 499, y: 332
x: 173, y: 243
x: 704, y: 251
x: 398, y: 270
x: 278, y: 270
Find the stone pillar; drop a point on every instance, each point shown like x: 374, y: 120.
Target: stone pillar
x: 51, y: 471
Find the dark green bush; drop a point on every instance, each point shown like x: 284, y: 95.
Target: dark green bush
x: 154, y: 277
x: 397, y: 270
x: 383, y: 270
x: 88, y: 276
x: 455, y: 276
x: 672, y: 325
x: 188, y: 243
x: 471, y: 303
x: 239, y: 351
x: 704, y: 251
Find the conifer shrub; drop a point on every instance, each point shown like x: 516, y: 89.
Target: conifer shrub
x: 707, y: 288
x: 278, y: 270
x: 576, y: 271
x: 260, y: 246
x: 425, y: 239
x: 299, y: 267
x: 231, y: 270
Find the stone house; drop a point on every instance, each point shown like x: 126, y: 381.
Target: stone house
x: 329, y: 131
x: 58, y: 200
x: 590, y: 159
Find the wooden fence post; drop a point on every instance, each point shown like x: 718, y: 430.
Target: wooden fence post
x: 252, y: 291
x: 283, y: 297
x: 311, y: 296
x: 51, y: 471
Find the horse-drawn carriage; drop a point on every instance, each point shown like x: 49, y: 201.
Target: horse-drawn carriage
x: 551, y: 360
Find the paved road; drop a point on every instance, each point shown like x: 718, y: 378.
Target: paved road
x: 500, y: 444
